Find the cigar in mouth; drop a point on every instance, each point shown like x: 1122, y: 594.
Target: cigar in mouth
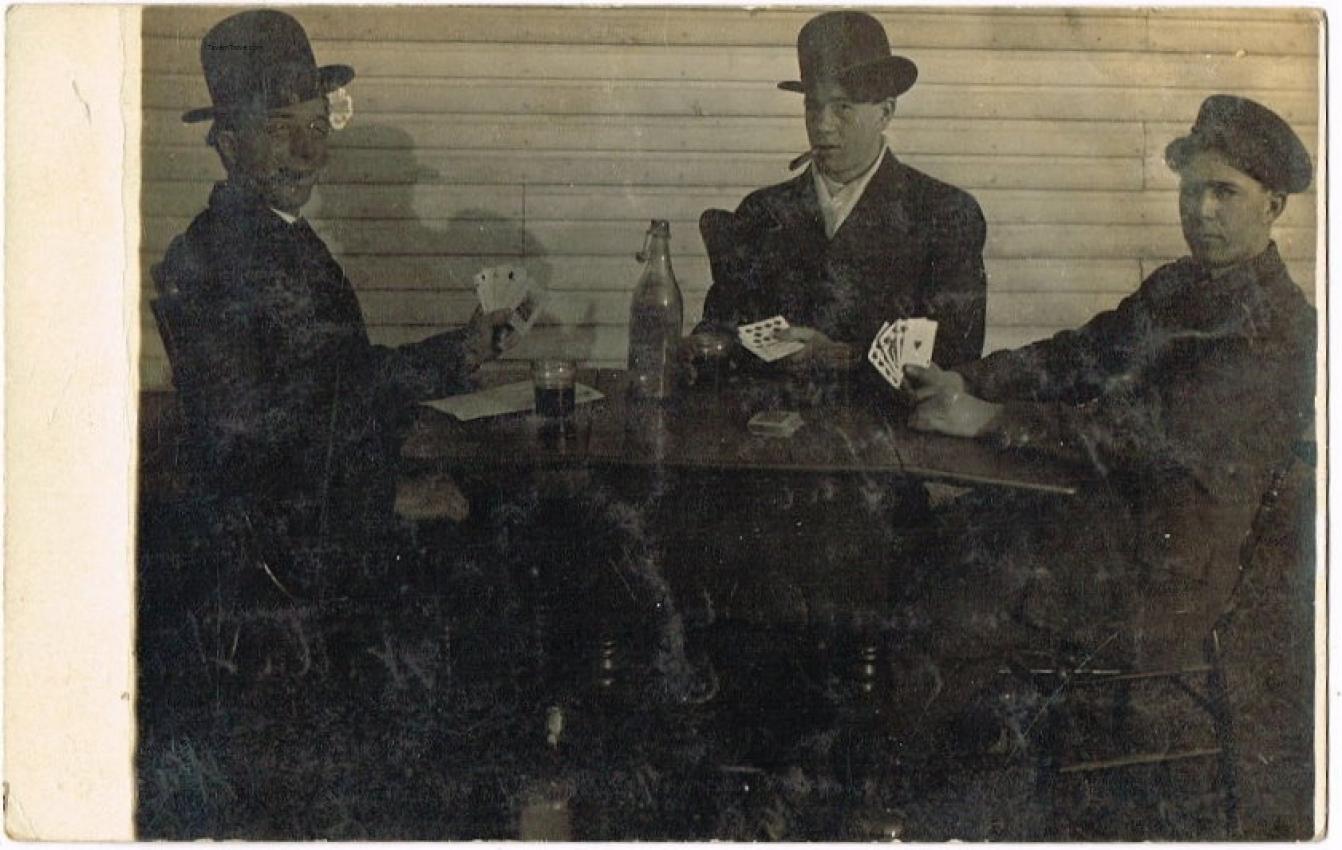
x: 801, y: 160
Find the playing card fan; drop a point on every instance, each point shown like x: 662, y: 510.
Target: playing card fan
x: 907, y: 342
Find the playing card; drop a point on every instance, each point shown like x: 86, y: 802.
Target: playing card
x: 513, y: 284
x: 877, y: 356
x: 508, y: 287
x: 871, y: 349
x: 761, y: 339
x: 486, y: 291
x: 887, y: 351
x: 900, y: 343
x: 759, y: 334
x: 890, y: 343
x: 885, y: 326
x: 916, y: 346
x: 529, y: 307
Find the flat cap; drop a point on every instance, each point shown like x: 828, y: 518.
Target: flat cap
x: 1252, y: 138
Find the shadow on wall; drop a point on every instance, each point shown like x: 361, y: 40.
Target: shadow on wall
x: 405, y: 231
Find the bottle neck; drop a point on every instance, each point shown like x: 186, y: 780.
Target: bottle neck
x: 658, y: 253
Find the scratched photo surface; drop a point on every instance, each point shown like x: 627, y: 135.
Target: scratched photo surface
x: 467, y: 510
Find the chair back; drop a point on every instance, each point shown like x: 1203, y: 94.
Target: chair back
x: 726, y: 239
x: 165, y: 318
x: 175, y: 319
x: 1269, y: 505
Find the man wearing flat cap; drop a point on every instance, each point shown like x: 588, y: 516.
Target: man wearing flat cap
x: 1183, y: 403
x: 292, y: 413
x: 859, y: 237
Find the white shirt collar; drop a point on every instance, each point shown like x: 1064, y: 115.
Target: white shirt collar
x: 288, y: 219
x: 837, y: 202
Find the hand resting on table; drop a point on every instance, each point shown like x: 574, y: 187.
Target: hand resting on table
x: 944, y: 406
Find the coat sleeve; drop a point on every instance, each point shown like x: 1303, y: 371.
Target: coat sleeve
x: 434, y: 367
x: 1072, y: 366
x: 1221, y: 419
x: 1076, y: 394
x: 258, y: 369
x: 959, y: 284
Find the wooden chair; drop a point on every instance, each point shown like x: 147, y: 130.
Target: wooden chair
x: 1203, y: 685
x: 173, y: 316
x: 728, y: 241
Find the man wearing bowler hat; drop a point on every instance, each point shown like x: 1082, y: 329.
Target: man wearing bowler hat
x: 859, y: 237
x: 856, y: 239
x: 292, y: 413
x: 1183, y: 402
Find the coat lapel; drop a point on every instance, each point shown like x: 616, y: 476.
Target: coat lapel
x: 880, y: 216
x: 796, y: 209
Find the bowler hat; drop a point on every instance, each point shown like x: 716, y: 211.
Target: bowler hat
x: 261, y: 59
x: 851, y: 49
x: 1252, y: 138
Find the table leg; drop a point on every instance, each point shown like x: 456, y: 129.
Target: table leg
x: 606, y: 678
x: 868, y: 654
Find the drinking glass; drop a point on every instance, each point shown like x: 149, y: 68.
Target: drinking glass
x: 706, y: 359
x: 554, y: 381
x: 838, y: 365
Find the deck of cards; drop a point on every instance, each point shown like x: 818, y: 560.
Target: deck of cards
x: 775, y: 423
x: 761, y: 339
x: 509, y: 288
x: 902, y: 343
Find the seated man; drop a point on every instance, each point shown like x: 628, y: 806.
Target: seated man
x: 291, y: 411
x: 858, y: 238
x: 293, y: 414
x: 1183, y: 402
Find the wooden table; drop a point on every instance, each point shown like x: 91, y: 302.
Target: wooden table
x: 706, y: 429
x: 701, y: 436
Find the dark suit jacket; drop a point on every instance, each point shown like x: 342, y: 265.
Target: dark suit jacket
x: 291, y: 411
x: 912, y: 246
x: 1183, y: 401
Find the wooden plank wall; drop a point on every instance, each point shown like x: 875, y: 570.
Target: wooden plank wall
x: 551, y: 136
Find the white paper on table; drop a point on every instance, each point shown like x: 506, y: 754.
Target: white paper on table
x: 516, y: 397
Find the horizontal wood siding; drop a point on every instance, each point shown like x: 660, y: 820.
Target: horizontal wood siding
x: 550, y: 137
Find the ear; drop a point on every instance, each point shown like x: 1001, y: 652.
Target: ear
x: 887, y: 110
x: 1276, y: 205
x: 226, y: 143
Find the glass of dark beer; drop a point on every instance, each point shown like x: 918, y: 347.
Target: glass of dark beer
x: 838, y: 364
x: 554, y: 383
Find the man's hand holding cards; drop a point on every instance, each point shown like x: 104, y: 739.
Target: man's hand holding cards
x: 761, y: 339
x: 508, y: 288
x: 902, y: 343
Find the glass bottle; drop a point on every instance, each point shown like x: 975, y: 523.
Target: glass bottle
x: 546, y: 799
x: 656, y: 317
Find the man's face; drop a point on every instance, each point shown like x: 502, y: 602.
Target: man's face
x: 1226, y: 215
x: 280, y: 154
x: 845, y: 135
